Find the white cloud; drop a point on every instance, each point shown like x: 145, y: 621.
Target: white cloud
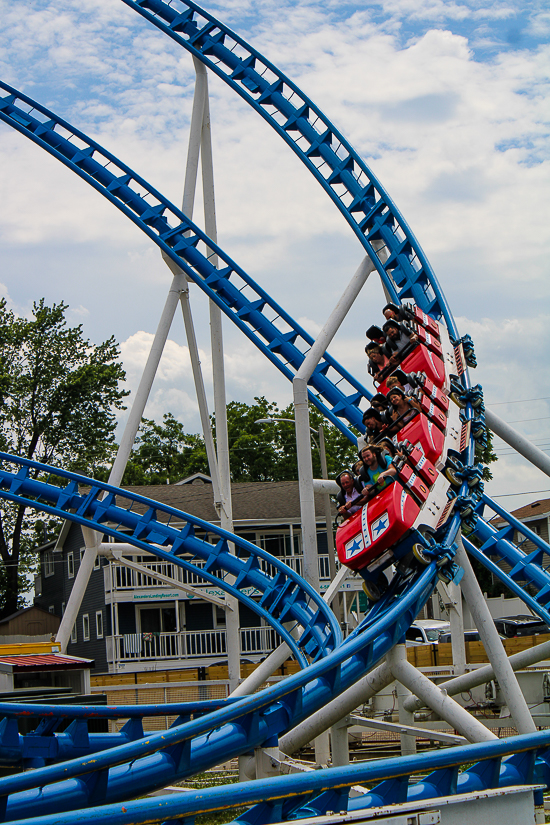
x: 460, y: 144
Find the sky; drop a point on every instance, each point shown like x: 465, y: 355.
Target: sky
x: 447, y: 102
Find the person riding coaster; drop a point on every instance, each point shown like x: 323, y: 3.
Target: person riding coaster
x: 350, y: 498
x: 377, y: 471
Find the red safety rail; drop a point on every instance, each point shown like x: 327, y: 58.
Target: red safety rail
x: 433, y: 412
x: 426, y: 321
x: 429, y: 341
x: 422, y: 466
x: 423, y: 432
x: 380, y: 523
x: 434, y: 393
x: 410, y: 479
x: 421, y: 359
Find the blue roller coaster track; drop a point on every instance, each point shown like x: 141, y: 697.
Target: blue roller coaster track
x: 91, y: 774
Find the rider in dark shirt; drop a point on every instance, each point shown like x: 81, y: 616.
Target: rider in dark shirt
x: 398, y: 338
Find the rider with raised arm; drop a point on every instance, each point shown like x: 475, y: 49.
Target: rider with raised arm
x: 377, y: 469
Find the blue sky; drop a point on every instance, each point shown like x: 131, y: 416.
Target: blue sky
x: 446, y: 101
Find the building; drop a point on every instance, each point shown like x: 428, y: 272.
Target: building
x: 535, y: 516
x: 131, y: 621
x: 29, y: 621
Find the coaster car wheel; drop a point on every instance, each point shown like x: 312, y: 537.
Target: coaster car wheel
x: 450, y: 474
x: 419, y: 552
x: 375, y: 591
x: 371, y: 591
x: 454, y: 396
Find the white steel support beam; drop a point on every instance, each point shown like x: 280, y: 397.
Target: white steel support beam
x: 331, y: 550
x: 339, y: 743
x: 218, y: 371
x: 301, y: 417
x: 518, y: 442
x: 135, y: 415
x: 482, y: 675
x: 331, y: 714
x: 408, y: 741
x: 435, y: 698
x: 437, y: 736
x: 279, y: 656
x: 493, y: 645
x: 456, y: 619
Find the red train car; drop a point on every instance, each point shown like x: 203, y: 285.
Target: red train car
x: 377, y: 526
x: 393, y: 521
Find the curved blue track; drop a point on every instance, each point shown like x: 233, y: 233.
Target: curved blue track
x: 352, y: 186
x: 137, y: 764
x: 156, y: 760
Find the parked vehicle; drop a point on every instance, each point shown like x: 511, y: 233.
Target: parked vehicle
x: 521, y: 625
x: 425, y: 632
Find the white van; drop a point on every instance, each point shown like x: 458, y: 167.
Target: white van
x: 426, y: 632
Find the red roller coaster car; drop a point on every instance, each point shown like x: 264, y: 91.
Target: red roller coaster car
x: 394, y: 521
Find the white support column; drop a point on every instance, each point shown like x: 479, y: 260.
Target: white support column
x: 408, y: 742
x: 339, y: 743
x: 305, y: 483
x: 518, y: 442
x: 218, y: 371
x: 456, y: 619
x: 492, y: 643
x: 201, y: 395
x: 301, y: 417
x: 341, y: 706
x: 279, y: 656
x: 336, y: 607
x: 435, y: 698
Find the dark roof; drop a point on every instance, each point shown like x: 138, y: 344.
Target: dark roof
x: 24, y: 610
x: 541, y: 507
x: 253, y: 501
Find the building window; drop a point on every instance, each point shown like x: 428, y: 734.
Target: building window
x: 51, y: 609
x: 99, y: 624
x: 97, y: 562
x: 70, y: 565
x: 74, y: 636
x: 86, y: 627
x: 47, y: 563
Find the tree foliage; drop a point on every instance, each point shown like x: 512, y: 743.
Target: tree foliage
x: 257, y: 451
x: 58, y: 395
x: 486, y: 455
x: 164, y: 453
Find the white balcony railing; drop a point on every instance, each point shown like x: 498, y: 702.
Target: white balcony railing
x: 187, y: 644
x: 125, y: 578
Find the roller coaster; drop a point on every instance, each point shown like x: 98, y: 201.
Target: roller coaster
x: 79, y: 775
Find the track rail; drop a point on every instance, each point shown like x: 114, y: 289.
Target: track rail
x: 352, y: 186
x: 335, y: 392
x: 529, y: 569
x: 522, y: 760
x: 284, y: 595
x: 151, y: 762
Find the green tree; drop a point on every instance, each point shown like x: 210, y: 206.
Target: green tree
x: 58, y: 396
x: 486, y: 455
x: 257, y: 452
x: 164, y: 453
